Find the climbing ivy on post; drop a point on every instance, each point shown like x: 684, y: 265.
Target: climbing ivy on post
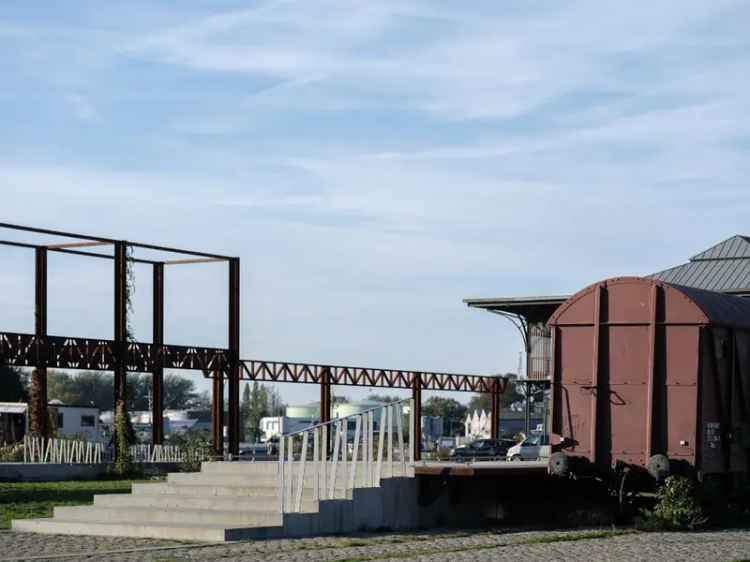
x: 124, y: 432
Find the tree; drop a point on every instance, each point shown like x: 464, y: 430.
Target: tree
x: 245, y: 413
x: 452, y: 411
x: 480, y: 402
x: 513, y: 395
x: 13, y: 385
x: 276, y: 405
x: 258, y: 409
x: 179, y: 393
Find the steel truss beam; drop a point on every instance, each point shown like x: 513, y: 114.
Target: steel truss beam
x: 274, y: 371
x: 27, y: 350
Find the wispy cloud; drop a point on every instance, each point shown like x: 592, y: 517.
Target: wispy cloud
x: 374, y: 162
x: 82, y: 107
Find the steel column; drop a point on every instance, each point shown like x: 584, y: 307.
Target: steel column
x: 234, y: 357
x: 121, y: 329
x: 325, y: 407
x: 217, y: 414
x: 495, y: 409
x: 416, y: 394
x: 40, y: 425
x: 157, y: 375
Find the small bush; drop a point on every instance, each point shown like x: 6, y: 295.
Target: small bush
x: 677, y: 508
x: 11, y: 453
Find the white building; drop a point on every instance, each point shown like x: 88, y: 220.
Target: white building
x: 71, y: 421
x: 477, y: 425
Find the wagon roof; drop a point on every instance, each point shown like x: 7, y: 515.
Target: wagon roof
x: 715, y: 308
x: 720, y: 308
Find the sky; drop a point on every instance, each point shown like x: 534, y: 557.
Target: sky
x: 372, y: 163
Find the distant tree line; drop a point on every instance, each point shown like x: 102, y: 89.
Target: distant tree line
x: 93, y: 388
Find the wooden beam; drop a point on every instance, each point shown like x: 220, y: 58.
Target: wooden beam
x: 76, y: 245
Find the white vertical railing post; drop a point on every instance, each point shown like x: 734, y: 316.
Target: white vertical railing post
x: 411, y: 431
x: 290, y: 474
x: 324, y: 467
x: 364, y: 417
x: 301, y: 477
x: 390, y: 440
x: 355, y: 452
x: 334, y: 464
x: 281, y: 473
x: 400, y: 431
x: 344, y: 454
x: 316, y: 464
x: 371, y: 452
x: 381, y: 443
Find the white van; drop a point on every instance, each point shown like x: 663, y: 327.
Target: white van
x: 532, y: 448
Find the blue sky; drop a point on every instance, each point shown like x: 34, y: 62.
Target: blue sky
x: 372, y: 163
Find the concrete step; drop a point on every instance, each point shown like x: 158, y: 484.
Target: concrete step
x: 179, y: 501
x: 242, y: 468
x: 260, y: 481
x: 206, y: 490
x: 174, y: 531
x: 163, y: 515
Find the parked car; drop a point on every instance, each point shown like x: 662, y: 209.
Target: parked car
x: 483, y: 448
x: 532, y: 448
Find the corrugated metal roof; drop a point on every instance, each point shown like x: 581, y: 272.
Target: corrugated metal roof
x: 735, y: 247
x: 724, y: 267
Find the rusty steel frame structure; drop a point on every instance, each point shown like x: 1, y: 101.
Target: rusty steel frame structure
x: 41, y: 350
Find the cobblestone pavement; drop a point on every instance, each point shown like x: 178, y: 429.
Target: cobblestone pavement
x: 437, y: 546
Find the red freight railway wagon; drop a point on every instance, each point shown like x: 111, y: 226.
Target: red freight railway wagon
x: 652, y: 376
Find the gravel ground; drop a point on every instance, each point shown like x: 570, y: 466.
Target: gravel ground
x: 449, y: 546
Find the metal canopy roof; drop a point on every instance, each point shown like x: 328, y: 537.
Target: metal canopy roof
x: 724, y: 267
x: 532, y: 308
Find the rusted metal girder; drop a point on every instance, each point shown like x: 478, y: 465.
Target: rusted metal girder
x: 275, y: 371
x: 29, y: 350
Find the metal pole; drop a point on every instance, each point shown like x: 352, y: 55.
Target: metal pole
x: 234, y: 354
x: 121, y: 329
x: 416, y: 394
x: 157, y: 375
x: 41, y: 423
x: 495, y: 421
x: 325, y: 404
x: 217, y: 413
x: 527, y: 416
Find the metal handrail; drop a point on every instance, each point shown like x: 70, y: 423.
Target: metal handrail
x: 338, y: 420
x: 344, y: 475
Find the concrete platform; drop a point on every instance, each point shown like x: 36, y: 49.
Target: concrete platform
x: 482, y: 468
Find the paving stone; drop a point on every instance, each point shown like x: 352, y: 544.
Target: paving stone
x: 437, y: 546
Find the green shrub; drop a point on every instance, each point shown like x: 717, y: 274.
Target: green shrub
x: 11, y: 453
x: 678, y: 508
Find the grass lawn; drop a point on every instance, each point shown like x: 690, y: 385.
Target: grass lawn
x: 26, y: 500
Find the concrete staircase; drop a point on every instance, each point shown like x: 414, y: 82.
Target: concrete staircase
x: 230, y: 501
